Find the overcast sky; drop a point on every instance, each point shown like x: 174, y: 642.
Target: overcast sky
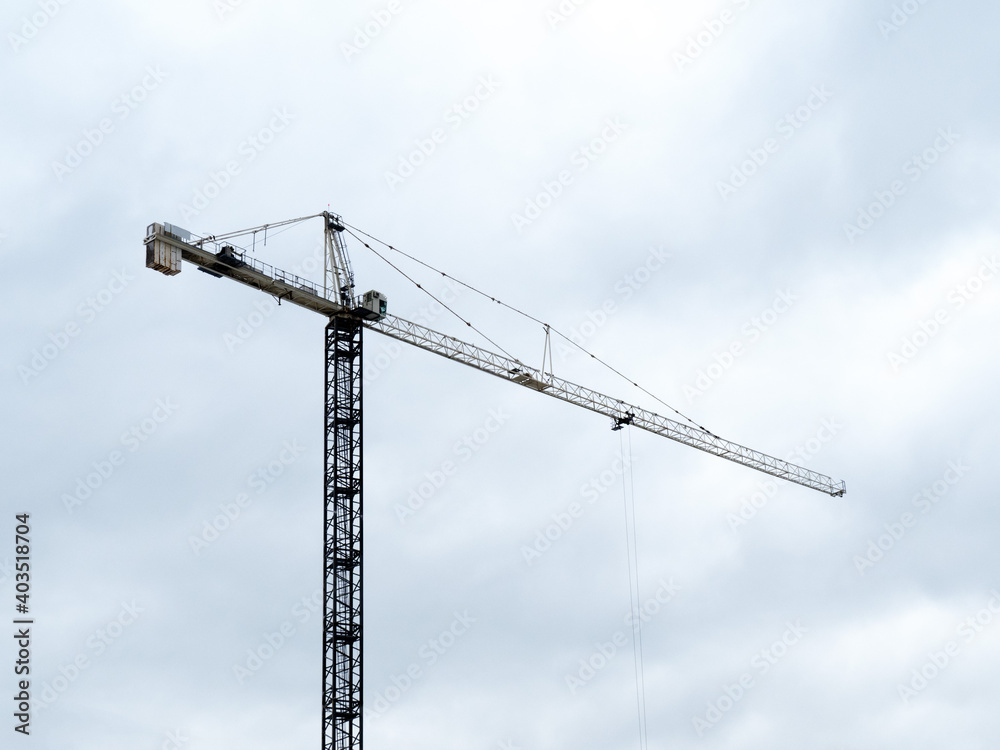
x: 780, y: 218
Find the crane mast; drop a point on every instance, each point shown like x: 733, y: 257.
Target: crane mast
x: 347, y: 317
x: 342, y: 601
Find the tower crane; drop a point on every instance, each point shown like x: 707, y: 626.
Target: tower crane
x: 348, y: 315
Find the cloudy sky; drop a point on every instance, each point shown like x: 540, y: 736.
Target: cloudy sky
x: 780, y: 218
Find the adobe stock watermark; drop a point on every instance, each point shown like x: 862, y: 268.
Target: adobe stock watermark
x: 811, y: 447
x: 86, y: 313
x: 175, y: 739
x: 88, y: 485
x: 364, y: 34
x: 249, y: 149
x: 606, y: 650
x: 389, y: 349
x: 752, y: 504
x: 624, y: 289
x: 938, y: 661
x: 272, y: 642
x: 247, y: 325
x: 464, y: 450
x: 562, y: 521
x: 900, y: 16
x: 957, y: 298
x: 802, y: 454
x: 31, y: 26
x: 751, y: 331
x: 224, y: 7
x: 704, y: 38
x: 787, y: 127
x: 581, y: 159
x: 98, y: 643
x: 454, y: 118
x: 428, y: 654
x: 561, y: 13
x: 731, y: 694
x: 259, y: 481
x: 93, y: 138
x: 914, y: 168
x: 924, y: 501
x: 431, y: 311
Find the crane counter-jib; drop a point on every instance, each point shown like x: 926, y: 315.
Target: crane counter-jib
x: 167, y: 246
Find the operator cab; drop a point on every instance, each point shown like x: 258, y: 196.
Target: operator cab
x: 372, y: 306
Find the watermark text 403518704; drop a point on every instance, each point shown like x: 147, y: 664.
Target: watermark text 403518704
x: 22, y: 624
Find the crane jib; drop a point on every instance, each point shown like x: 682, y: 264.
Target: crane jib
x: 619, y: 411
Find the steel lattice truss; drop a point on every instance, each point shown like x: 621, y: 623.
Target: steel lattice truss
x: 517, y: 372
x: 342, y: 629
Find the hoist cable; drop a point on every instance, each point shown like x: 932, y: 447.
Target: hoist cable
x: 635, y: 603
x: 635, y: 553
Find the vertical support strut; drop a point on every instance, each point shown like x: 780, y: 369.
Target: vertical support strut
x: 342, y: 542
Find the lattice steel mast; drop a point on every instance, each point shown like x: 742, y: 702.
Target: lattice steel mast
x: 342, y: 624
x: 167, y: 246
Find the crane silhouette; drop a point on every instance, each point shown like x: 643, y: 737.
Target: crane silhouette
x: 347, y: 316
